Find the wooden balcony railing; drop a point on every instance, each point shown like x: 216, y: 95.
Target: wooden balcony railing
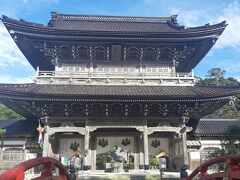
x: 17, y: 172
x: 232, y: 171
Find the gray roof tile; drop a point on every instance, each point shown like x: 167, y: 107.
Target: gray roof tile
x: 114, y: 23
x: 19, y: 128
x: 214, y: 127
x: 118, y: 90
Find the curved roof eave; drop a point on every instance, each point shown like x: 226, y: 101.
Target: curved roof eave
x: 13, y: 24
x: 123, y: 93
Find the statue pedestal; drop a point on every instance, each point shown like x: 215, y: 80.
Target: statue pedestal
x: 116, y: 166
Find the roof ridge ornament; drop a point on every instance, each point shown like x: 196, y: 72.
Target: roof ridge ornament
x: 108, y: 18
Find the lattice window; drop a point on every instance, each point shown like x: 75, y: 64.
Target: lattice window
x: 97, y: 109
x: 82, y: 53
x: 13, y: 154
x: 116, y: 109
x: 154, y: 109
x: 135, y: 109
x: 57, y: 109
x: 166, y: 54
x: 99, y: 53
x: 65, y: 53
x: 132, y: 54
x: 149, y: 54
x: 77, y: 109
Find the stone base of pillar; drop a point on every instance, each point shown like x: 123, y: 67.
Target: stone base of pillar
x: 141, y: 166
x: 146, y: 167
x: 86, y: 168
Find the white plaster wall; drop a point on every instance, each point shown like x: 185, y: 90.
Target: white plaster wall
x: 65, y: 143
x: 164, y: 145
x: 113, y: 141
x: 194, y: 159
x: 210, y: 143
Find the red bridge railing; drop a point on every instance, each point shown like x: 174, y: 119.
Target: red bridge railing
x: 17, y: 172
x: 232, y: 171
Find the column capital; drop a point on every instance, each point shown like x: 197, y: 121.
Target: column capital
x: 92, y: 128
x: 140, y: 128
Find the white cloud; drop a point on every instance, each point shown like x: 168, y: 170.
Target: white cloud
x: 231, y: 36
x: 54, y: 1
x: 13, y: 80
x: 238, y: 78
x: 10, y: 55
x: 189, y: 18
x: 230, y: 13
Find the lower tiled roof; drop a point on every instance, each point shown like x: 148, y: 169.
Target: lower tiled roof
x: 19, y: 128
x: 214, y: 127
x: 114, y: 90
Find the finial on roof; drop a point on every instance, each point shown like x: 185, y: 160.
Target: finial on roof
x: 3, y: 17
x: 224, y: 23
x: 174, y: 18
x: 54, y: 15
x: 173, y: 22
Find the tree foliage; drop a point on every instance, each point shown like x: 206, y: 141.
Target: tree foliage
x: 231, y: 140
x: 215, y: 77
x: 216, y: 73
x: 6, y: 113
x: 230, y: 143
x: 2, y: 131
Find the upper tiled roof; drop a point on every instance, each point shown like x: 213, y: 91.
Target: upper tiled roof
x: 116, y: 91
x: 214, y: 127
x: 114, y: 23
x: 188, y: 45
x: 19, y: 128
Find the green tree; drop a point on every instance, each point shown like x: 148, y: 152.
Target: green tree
x: 215, y: 77
x: 216, y: 73
x: 230, y: 143
x: 6, y: 113
x: 237, y: 102
x: 2, y: 131
x: 231, y: 140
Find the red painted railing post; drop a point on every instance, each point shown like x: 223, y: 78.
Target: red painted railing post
x: 17, y: 172
x: 203, y: 171
x: 232, y: 167
x: 46, y: 170
x: 232, y: 171
x: 62, y: 174
x: 20, y: 176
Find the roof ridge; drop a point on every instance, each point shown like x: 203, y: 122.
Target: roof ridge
x: 58, y: 16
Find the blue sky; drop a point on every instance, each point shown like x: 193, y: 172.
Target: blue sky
x: 14, y: 68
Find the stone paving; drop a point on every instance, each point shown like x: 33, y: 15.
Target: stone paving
x: 129, y: 176
x: 120, y: 176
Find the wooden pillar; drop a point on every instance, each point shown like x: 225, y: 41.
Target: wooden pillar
x: 87, y: 151
x: 136, y: 152
x: 145, y: 147
x: 184, y: 148
x: 141, y: 153
x: 93, y: 152
x: 46, y: 145
x: 184, y: 141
